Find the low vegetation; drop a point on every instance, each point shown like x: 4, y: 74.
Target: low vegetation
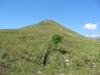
x: 30, y: 51
x: 56, y: 39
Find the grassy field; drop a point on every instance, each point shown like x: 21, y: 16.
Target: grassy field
x: 30, y: 51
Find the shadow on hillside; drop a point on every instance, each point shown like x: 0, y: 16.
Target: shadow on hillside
x: 62, y: 51
x: 45, y: 58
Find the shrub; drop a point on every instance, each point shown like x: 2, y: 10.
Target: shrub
x: 56, y: 39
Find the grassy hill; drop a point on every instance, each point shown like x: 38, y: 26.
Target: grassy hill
x: 30, y: 51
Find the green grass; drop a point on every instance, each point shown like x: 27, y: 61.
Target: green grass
x: 22, y: 50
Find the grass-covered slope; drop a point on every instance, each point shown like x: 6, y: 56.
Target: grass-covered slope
x: 29, y: 51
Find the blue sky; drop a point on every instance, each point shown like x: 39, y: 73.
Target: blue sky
x: 81, y: 16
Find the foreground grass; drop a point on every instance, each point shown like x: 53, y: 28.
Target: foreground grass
x: 29, y: 51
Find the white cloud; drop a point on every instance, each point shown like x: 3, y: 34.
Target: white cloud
x: 86, y: 35
x: 94, y: 36
x: 90, y: 26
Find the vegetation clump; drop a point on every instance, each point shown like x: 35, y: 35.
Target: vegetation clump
x: 56, y: 39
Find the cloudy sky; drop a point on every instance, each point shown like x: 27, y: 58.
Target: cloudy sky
x: 81, y: 16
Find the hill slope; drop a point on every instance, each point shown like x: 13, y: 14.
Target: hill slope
x: 29, y: 51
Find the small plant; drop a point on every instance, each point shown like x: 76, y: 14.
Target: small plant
x: 56, y: 39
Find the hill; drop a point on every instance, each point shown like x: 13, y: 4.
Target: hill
x: 30, y: 51
x: 97, y: 38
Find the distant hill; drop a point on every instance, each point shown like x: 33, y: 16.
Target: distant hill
x: 97, y: 38
x: 30, y: 51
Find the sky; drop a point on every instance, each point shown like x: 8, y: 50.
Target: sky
x: 81, y: 16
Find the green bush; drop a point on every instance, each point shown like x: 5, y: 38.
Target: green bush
x: 56, y: 39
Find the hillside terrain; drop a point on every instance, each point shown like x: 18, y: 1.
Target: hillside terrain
x: 30, y: 51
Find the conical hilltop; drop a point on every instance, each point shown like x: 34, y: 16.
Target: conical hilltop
x: 50, y: 26
x: 30, y: 51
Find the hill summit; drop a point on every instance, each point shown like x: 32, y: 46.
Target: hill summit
x: 47, y: 20
x: 30, y: 51
x: 50, y: 26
